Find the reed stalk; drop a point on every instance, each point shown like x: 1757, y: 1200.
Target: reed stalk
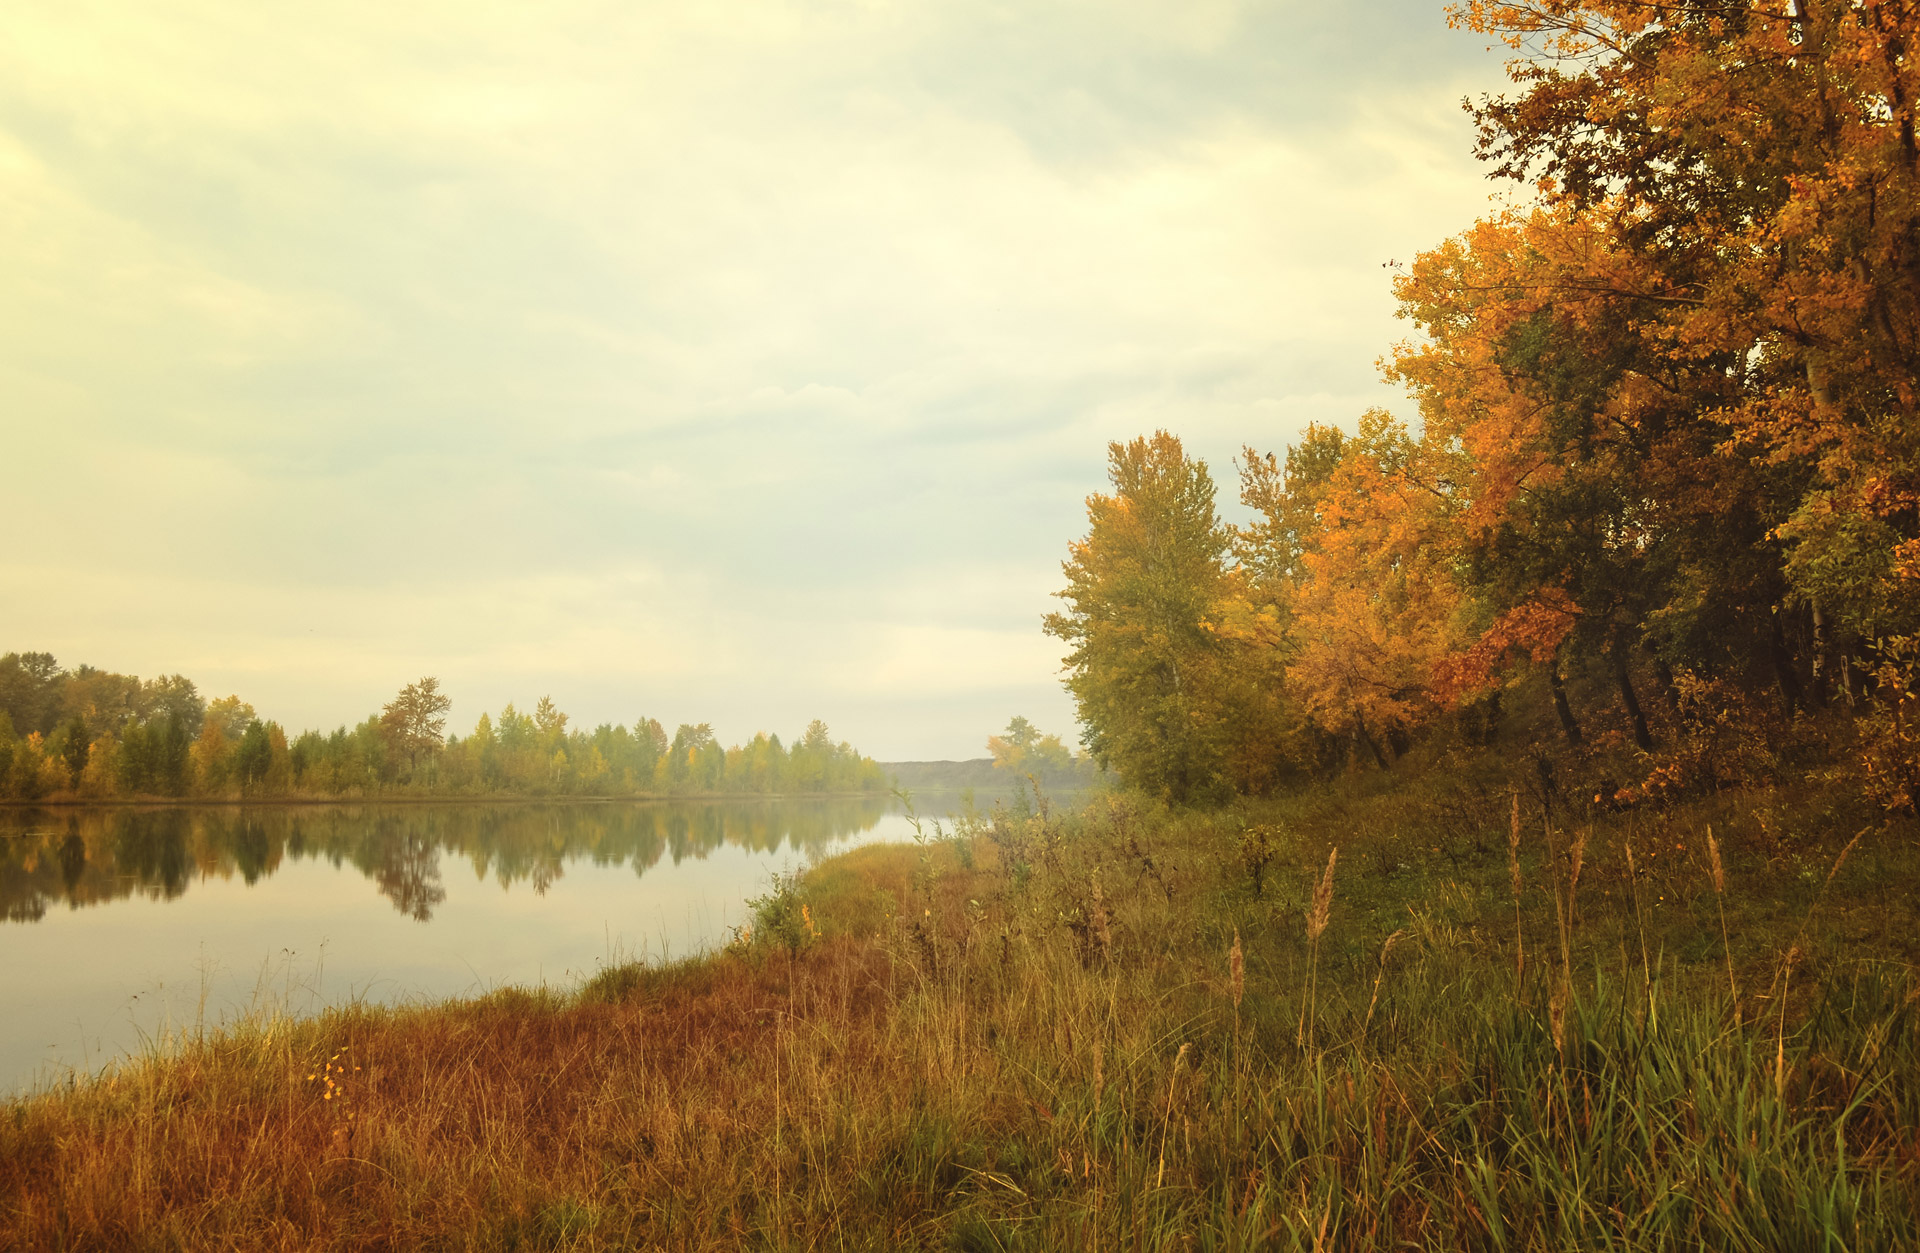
x: 1720, y: 898
x: 1316, y: 927
x: 1513, y: 874
x: 1640, y: 925
x: 1173, y: 1083
x: 1380, y: 974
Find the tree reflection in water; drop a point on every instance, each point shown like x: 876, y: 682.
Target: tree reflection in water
x: 409, y: 875
x: 83, y: 856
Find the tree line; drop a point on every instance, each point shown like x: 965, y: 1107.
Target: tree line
x: 93, y: 734
x: 1661, y: 505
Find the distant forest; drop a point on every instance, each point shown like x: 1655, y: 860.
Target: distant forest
x: 87, y: 733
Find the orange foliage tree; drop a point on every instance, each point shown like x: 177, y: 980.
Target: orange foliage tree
x: 1749, y: 178
x: 1352, y: 540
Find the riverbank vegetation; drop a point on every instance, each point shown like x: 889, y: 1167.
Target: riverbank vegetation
x: 1371, y: 1017
x: 89, y: 734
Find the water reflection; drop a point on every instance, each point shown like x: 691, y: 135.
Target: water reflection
x: 87, y: 857
x: 140, y: 921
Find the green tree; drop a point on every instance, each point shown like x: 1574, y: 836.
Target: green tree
x: 74, y: 750
x: 254, y: 756
x: 650, y: 745
x: 172, y: 696
x: 1140, y: 589
x: 170, y: 756
x: 30, y: 691
x: 683, y: 755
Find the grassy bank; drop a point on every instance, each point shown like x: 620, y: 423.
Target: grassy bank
x: 1114, y: 1027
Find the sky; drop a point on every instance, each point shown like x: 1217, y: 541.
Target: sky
x: 744, y: 363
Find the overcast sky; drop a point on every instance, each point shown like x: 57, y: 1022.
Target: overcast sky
x: 735, y: 362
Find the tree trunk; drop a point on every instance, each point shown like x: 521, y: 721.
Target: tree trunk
x: 1631, y: 701
x: 1560, y: 706
x: 1783, y: 669
x: 1360, y: 733
x: 1479, y: 720
x: 1663, y: 674
x: 1820, y: 684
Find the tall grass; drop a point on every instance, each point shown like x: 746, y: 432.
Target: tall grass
x: 1024, y: 1035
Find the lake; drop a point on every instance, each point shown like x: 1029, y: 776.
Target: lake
x: 123, y: 923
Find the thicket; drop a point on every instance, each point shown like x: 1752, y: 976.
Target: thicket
x: 92, y: 734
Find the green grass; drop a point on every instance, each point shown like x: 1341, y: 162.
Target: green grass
x: 1024, y: 1034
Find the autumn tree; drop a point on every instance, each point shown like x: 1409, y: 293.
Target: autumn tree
x: 1352, y: 538
x: 549, y: 721
x: 229, y: 716
x: 1749, y: 182
x: 209, y: 757
x: 1599, y: 517
x: 413, y: 724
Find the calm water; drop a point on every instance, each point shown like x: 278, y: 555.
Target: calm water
x: 122, y: 923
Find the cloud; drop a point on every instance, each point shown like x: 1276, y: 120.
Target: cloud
x: 671, y: 340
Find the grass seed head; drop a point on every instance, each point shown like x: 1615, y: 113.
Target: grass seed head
x: 1713, y: 859
x: 1513, y: 847
x: 1102, y: 928
x: 1322, y: 898
x: 1236, y: 965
